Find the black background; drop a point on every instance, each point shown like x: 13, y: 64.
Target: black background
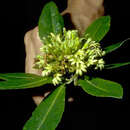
x: 86, y: 112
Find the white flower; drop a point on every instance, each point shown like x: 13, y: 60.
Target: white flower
x: 57, y: 78
x: 68, y: 54
x: 100, y: 64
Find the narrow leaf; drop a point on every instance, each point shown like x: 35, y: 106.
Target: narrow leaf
x: 49, y: 113
x: 50, y: 20
x: 99, y: 28
x: 22, y: 81
x: 101, y: 88
x: 113, y: 47
x: 116, y: 65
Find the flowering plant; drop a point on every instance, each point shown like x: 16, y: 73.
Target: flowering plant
x: 65, y: 57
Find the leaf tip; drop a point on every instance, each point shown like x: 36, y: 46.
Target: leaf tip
x: 120, y: 95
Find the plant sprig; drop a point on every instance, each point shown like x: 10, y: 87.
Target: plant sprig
x: 63, y: 52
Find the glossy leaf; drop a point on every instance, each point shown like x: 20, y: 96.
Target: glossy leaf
x: 50, y: 20
x: 49, y: 113
x: 101, y: 88
x: 99, y: 28
x: 22, y: 81
x: 113, y: 47
x: 116, y: 65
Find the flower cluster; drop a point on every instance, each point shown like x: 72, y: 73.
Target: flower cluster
x: 67, y: 56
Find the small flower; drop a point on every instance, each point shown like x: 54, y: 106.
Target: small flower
x: 47, y: 70
x: 100, y: 64
x: 57, y: 79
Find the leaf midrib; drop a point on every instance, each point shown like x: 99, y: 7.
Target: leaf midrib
x: 112, y: 66
x: 116, y: 46
x: 111, y: 48
x: 52, y: 21
x: 38, y: 83
x: 104, y: 90
x: 96, y: 32
x: 44, y: 118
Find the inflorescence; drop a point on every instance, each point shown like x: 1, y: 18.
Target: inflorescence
x: 66, y: 57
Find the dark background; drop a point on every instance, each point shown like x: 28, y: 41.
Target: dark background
x: 86, y: 112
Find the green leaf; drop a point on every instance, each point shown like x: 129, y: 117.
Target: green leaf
x: 50, y: 21
x: 22, y: 81
x: 101, y: 88
x: 113, y: 47
x: 99, y: 28
x: 116, y: 65
x: 49, y: 113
